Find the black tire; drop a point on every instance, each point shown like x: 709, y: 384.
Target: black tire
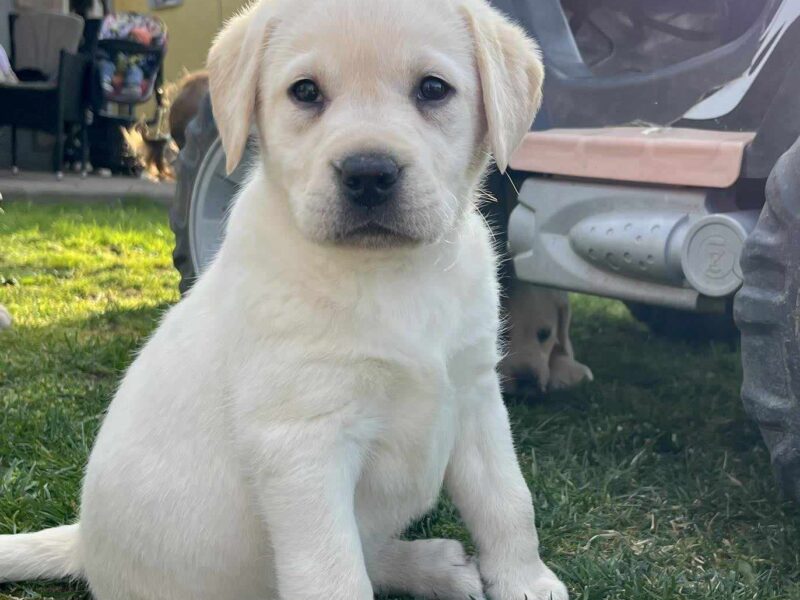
x: 767, y: 310
x: 200, y: 134
x: 683, y: 325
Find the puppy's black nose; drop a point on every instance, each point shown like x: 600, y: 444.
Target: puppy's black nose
x: 368, y: 179
x: 526, y: 380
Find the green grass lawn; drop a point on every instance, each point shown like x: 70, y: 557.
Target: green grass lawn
x: 649, y: 483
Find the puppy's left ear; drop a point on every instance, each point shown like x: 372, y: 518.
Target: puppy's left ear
x: 234, y: 64
x: 511, y: 75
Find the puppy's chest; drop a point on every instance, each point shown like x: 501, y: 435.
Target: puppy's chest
x: 407, y: 459
x: 416, y: 339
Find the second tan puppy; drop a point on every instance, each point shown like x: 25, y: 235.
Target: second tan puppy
x: 539, y: 350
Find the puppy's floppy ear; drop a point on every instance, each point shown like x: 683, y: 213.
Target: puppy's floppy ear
x: 234, y: 62
x: 563, y: 341
x: 511, y: 75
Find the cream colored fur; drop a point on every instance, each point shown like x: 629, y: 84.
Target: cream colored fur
x: 313, y: 393
x: 539, y: 349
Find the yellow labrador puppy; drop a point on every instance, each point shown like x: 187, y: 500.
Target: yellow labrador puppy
x: 345, y: 367
x: 539, y: 350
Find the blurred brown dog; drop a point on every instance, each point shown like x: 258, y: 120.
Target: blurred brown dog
x: 155, y: 153
x: 191, y: 91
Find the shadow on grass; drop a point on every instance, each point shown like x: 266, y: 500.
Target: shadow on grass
x: 102, y: 344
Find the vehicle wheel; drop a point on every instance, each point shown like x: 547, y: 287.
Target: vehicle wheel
x: 203, y: 195
x: 683, y: 325
x: 767, y: 310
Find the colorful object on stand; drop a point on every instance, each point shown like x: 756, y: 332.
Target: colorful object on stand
x: 131, y: 52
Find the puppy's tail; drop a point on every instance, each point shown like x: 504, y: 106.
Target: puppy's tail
x: 49, y: 554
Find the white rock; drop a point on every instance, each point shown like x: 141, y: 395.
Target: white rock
x: 5, y: 318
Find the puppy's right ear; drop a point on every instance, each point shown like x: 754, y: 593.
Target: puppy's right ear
x: 234, y: 65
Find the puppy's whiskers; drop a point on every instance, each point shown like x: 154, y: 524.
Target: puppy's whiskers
x: 513, y: 185
x: 460, y: 234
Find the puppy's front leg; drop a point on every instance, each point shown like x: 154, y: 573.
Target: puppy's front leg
x: 305, y: 473
x: 485, y: 482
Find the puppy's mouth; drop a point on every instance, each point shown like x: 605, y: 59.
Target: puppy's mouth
x: 395, y: 224
x: 373, y: 234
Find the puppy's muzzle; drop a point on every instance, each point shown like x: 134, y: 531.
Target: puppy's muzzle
x: 368, y: 180
x: 526, y: 380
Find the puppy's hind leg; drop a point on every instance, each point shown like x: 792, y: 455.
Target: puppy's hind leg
x: 437, y: 569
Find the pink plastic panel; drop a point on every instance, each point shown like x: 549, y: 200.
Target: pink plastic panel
x: 671, y: 156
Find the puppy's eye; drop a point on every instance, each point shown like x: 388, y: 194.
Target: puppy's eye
x: 432, y: 89
x: 544, y: 334
x: 306, y: 91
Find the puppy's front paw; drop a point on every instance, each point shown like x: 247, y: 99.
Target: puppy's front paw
x: 455, y: 575
x: 537, y: 584
x: 566, y: 372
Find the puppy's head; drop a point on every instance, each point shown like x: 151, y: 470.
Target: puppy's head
x: 538, y: 328
x: 376, y: 117
x: 539, y: 352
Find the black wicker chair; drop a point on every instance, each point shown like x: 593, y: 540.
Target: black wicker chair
x: 54, y: 102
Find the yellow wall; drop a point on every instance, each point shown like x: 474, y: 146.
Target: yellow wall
x: 191, y: 28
